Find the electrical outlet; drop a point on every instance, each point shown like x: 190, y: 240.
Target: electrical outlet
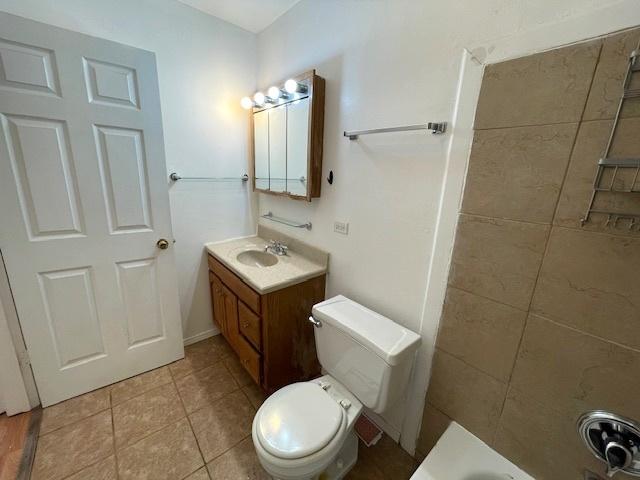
x: 341, y: 227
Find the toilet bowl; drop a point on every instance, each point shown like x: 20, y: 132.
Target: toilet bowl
x: 304, y: 431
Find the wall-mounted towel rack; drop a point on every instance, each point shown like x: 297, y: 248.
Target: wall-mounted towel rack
x: 435, y: 127
x: 609, y: 172
x: 174, y: 177
x: 273, y: 218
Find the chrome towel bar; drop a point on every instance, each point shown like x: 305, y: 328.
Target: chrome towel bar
x: 174, y: 177
x: 270, y: 216
x: 435, y: 127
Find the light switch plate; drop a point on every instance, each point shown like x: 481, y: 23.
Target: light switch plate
x: 341, y: 227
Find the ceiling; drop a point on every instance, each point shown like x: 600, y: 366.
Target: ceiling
x: 252, y: 15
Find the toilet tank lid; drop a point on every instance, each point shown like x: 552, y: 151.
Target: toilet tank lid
x: 389, y: 340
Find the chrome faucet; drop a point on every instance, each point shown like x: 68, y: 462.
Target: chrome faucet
x: 278, y: 248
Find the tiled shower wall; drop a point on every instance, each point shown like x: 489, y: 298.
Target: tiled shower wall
x: 542, y: 316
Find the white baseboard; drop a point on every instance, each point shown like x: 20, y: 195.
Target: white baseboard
x: 201, y: 336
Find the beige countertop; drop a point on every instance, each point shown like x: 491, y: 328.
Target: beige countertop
x: 301, y: 263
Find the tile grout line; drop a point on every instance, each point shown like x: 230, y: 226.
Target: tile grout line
x: 184, y: 408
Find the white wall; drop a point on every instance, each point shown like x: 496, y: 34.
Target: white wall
x: 205, y: 66
x: 397, y: 62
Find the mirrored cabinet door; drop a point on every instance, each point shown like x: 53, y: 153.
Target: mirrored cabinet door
x: 278, y: 149
x: 297, y: 146
x: 287, y: 139
x: 261, y: 149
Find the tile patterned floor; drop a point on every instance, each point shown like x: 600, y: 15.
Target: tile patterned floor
x: 189, y: 420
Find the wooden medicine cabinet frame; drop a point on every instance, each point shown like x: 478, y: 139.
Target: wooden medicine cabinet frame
x: 315, y: 93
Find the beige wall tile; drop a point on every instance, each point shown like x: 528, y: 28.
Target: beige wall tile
x: 481, y: 332
x: 222, y: 424
x: 576, y: 191
x: 471, y: 397
x: 168, y: 454
x: 607, y: 83
x: 572, y: 372
x: 434, y: 424
x: 74, y: 409
x: 74, y: 447
x: 541, y: 442
x: 498, y: 259
x: 549, y: 87
x: 145, y: 414
x: 590, y: 281
x: 516, y: 173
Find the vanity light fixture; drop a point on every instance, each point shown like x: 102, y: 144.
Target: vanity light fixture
x: 274, y: 93
x: 291, y: 86
x: 246, y: 103
x: 259, y: 98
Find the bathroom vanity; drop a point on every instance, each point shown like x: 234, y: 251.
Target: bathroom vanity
x: 262, y: 303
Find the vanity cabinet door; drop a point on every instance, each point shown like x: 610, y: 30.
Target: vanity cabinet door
x: 217, y: 298
x: 231, y: 317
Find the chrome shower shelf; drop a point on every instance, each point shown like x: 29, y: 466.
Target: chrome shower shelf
x: 618, y: 175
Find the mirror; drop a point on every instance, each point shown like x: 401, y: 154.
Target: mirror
x: 287, y: 139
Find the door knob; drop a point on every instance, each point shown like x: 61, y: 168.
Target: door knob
x: 162, y: 244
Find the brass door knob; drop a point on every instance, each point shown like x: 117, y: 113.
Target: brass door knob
x: 162, y: 244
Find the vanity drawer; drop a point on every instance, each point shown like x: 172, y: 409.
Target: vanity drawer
x: 249, y: 358
x: 244, y: 292
x: 250, y: 325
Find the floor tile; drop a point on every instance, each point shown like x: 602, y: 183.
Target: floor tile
x: 74, y: 447
x: 222, y: 424
x: 132, y: 387
x: 241, y: 462
x: 389, y: 458
x: 201, y: 474
x: 169, y: 454
x: 237, y: 371
x: 255, y: 395
x: 200, y: 355
x: 145, y: 414
x: 204, y: 386
x: 74, y: 409
x: 103, y: 470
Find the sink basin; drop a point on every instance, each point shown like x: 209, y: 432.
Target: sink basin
x: 257, y: 258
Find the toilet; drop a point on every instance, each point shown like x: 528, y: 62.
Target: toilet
x: 305, y: 430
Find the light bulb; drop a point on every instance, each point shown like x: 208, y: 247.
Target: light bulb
x: 291, y: 86
x: 246, y: 103
x: 274, y: 93
x: 259, y: 98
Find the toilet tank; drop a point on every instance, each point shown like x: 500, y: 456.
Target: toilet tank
x: 368, y: 353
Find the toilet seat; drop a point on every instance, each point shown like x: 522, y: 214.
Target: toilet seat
x: 307, y: 403
x: 299, y: 420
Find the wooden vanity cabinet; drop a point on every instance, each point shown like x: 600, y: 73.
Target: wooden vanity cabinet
x: 270, y: 333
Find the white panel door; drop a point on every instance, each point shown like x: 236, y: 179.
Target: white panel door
x: 84, y: 200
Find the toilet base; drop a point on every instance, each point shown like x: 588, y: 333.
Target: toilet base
x: 344, y: 461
